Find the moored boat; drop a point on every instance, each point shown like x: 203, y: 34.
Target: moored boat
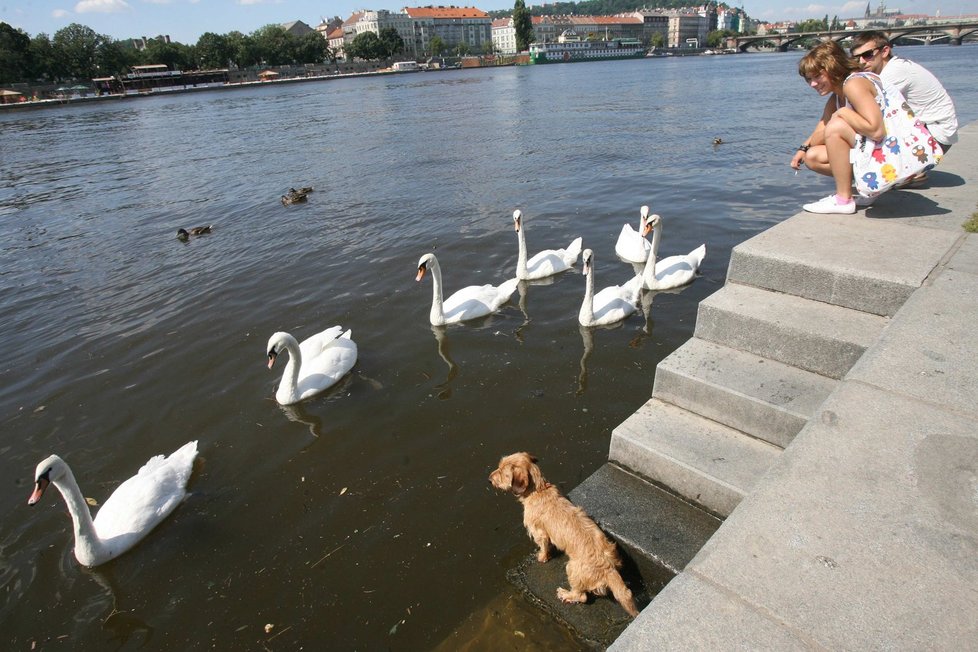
x: 570, y: 48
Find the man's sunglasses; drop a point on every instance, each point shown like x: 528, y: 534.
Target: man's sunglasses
x: 868, y: 54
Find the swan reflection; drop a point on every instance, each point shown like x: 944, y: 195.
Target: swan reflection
x: 444, y: 388
x: 524, y: 290
x: 299, y: 414
x: 122, y: 625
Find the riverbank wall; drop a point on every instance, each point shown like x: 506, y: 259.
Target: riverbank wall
x: 805, y: 473
x: 827, y: 410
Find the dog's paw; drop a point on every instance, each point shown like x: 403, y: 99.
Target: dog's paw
x: 571, y: 597
x: 543, y: 556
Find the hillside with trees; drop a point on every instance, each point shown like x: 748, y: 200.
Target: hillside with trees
x: 77, y: 52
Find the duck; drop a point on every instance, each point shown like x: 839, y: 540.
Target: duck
x: 294, y: 196
x: 671, y: 272
x: 468, y: 303
x: 184, y: 234
x: 632, y: 245
x: 547, y: 262
x: 610, y: 305
x: 718, y: 141
x: 136, y: 507
x: 315, y: 365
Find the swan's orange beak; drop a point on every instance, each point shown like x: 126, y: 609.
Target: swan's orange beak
x: 271, y: 359
x: 647, y: 229
x: 42, y: 484
x: 421, y: 271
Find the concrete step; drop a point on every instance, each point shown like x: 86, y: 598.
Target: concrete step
x: 814, y: 336
x: 657, y: 535
x: 841, y: 260
x: 762, y: 397
x: 701, y: 460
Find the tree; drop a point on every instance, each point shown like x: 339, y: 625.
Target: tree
x: 718, y: 38
x: 462, y: 49
x: 488, y: 48
x: 437, y: 46
x: 244, y: 51
x: 523, y: 26
x: 159, y: 51
x: 15, y: 54
x: 366, y: 46
x: 213, y: 50
x: 76, y: 51
x: 115, y: 58
x: 275, y: 46
x: 391, y: 41
x: 311, y: 47
x: 43, y: 65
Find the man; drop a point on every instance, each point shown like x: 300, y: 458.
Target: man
x: 925, y: 95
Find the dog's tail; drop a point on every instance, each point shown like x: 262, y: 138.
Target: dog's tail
x: 621, y: 592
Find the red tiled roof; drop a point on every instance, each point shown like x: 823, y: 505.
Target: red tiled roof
x: 445, y: 12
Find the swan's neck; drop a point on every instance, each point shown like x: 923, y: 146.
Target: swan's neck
x: 88, y: 545
x: 437, y: 316
x: 586, y: 316
x: 648, y: 274
x: 521, y: 261
x: 288, y: 387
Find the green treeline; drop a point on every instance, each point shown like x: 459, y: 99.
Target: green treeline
x: 77, y: 52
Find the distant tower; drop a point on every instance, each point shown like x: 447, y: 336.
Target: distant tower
x: 867, y: 15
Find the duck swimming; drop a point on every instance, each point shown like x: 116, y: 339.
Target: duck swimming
x: 184, y: 234
x: 294, y: 196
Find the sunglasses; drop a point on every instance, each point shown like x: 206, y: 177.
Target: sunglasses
x: 868, y: 54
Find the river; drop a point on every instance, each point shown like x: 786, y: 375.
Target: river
x: 361, y: 519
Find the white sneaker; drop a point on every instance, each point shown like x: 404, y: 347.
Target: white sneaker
x: 863, y: 202
x: 829, y: 205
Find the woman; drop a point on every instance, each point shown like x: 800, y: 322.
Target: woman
x: 850, y: 109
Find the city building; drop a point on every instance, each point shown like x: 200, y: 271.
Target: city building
x: 297, y: 28
x: 453, y: 25
x: 375, y: 21
x: 504, y: 36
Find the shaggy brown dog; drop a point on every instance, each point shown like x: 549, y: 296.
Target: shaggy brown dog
x: 552, y: 519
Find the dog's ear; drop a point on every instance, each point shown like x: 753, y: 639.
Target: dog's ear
x: 537, y: 475
x: 521, y: 480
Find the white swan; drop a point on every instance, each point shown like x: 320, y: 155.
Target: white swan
x: 134, y: 508
x: 469, y: 302
x: 546, y: 263
x: 611, y: 304
x: 673, y: 271
x: 315, y: 365
x: 632, y: 245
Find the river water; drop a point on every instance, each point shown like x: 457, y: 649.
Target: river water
x: 361, y: 519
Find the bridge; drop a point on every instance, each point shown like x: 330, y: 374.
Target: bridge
x: 954, y: 33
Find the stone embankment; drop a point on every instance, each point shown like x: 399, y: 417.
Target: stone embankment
x: 821, y: 430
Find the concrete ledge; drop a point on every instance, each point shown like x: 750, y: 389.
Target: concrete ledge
x: 763, y: 398
x: 843, y: 260
x: 705, y: 462
x: 810, y: 335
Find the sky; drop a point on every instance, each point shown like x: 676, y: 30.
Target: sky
x: 186, y: 20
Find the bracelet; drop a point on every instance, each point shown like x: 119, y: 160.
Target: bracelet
x: 804, y: 148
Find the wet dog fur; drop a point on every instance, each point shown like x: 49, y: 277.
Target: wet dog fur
x: 553, y: 521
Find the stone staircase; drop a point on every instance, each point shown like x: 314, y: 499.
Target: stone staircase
x: 794, y: 316
x: 768, y: 348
